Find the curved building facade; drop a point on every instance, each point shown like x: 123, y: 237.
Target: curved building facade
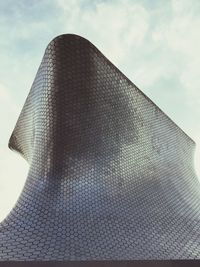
x: 111, y: 176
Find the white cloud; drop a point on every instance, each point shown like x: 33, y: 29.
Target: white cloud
x: 13, y: 172
x: 181, y: 35
x: 115, y: 27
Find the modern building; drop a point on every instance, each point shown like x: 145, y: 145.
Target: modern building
x: 111, y: 176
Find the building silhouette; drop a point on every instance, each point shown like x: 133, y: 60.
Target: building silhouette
x: 111, y: 176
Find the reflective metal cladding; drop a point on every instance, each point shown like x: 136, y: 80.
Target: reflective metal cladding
x: 111, y: 176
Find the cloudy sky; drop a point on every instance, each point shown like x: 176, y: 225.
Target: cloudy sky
x: 154, y: 43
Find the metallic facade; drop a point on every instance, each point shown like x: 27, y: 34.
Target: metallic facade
x: 111, y: 176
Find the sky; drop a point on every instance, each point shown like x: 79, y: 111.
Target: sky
x: 154, y: 43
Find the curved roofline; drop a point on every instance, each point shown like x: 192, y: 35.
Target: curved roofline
x: 118, y: 70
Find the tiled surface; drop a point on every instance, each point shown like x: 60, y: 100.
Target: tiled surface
x: 111, y: 176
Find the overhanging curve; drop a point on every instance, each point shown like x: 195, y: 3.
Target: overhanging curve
x: 111, y: 176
